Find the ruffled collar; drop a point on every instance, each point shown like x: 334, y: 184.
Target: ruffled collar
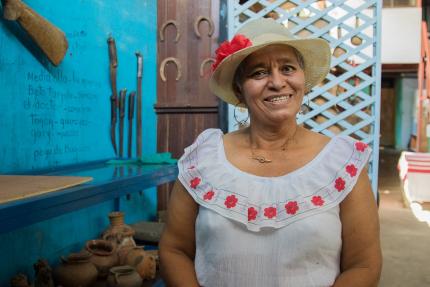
x: 270, y: 202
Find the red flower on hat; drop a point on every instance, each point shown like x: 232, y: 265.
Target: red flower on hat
x: 208, y: 195
x: 194, y: 182
x: 230, y: 201
x: 252, y: 213
x: 351, y: 169
x: 291, y: 207
x: 227, y: 48
x: 360, y: 146
x: 339, y: 184
x: 270, y: 212
x: 317, y: 200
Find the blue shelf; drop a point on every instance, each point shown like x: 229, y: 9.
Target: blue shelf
x: 109, y: 182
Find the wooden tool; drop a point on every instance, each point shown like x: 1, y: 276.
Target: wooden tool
x: 139, y: 105
x: 131, y: 97
x: 51, y: 40
x: 113, y: 64
x: 122, y: 94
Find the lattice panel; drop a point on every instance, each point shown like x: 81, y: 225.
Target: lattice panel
x: 348, y: 100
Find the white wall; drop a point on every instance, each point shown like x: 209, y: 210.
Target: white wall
x: 400, y: 35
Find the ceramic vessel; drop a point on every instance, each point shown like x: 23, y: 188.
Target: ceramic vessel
x: 119, y: 233
x: 75, y: 271
x: 123, y: 276
x: 144, y: 263
x: 103, y: 256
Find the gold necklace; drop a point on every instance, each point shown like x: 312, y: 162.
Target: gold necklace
x: 262, y: 159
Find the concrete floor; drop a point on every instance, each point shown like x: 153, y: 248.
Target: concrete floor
x: 405, y: 240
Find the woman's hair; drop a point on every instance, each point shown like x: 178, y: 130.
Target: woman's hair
x: 238, y: 75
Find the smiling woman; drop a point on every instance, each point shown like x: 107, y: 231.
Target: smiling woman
x: 273, y: 204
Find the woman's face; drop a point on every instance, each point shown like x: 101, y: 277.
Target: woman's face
x: 272, y: 84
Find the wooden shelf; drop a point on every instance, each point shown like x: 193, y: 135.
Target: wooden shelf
x: 109, y: 182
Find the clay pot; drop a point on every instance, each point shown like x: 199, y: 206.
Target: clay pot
x: 103, y: 256
x: 76, y: 271
x: 144, y: 263
x: 19, y: 280
x: 120, y: 234
x: 123, y: 276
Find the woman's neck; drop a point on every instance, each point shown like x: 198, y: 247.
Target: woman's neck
x: 272, y: 137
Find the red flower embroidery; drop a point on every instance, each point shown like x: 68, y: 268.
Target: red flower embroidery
x: 360, y: 146
x: 230, y: 201
x: 227, y: 48
x: 339, y: 184
x: 317, y: 200
x: 291, y: 207
x: 208, y: 195
x: 351, y: 169
x: 194, y: 182
x: 270, y: 212
x: 252, y: 213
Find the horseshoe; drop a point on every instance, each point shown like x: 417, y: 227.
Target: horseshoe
x: 178, y: 67
x: 167, y: 23
x: 197, y: 23
x: 202, y: 65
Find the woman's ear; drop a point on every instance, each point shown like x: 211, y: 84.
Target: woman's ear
x: 237, y: 89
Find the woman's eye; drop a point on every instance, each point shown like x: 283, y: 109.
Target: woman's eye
x: 288, y: 68
x: 258, y: 73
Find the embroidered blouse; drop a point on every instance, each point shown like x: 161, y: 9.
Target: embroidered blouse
x: 269, y: 231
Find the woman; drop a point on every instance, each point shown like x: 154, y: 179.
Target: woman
x: 272, y: 204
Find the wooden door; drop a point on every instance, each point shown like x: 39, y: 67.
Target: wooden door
x: 388, y: 103
x: 185, y: 107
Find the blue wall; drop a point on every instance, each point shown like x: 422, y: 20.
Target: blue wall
x: 405, y: 125
x: 51, y: 116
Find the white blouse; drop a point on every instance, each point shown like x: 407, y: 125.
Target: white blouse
x: 269, y: 231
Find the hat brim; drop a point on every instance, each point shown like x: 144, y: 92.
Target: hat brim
x: 316, y: 56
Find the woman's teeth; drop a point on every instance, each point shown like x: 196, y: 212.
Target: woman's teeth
x: 278, y: 99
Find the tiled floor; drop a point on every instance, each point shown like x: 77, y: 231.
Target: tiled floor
x: 405, y: 240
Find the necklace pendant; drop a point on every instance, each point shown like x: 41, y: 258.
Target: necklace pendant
x: 261, y: 159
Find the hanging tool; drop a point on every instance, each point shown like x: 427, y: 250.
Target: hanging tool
x: 113, y: 64
x: 122, y: 95
x: 51, y: 40
x: 139, y: 105
x: 131, y: 97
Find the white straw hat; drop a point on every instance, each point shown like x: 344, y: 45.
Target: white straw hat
x: 255, y: 35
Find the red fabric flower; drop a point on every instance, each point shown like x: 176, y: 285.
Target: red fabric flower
x: 208, y: 195
x: 227, y: 48
x: 230, y: 201
x: 270, y: 212
x: 291, y: 207
x: 317, y: 200
x: 351, y: 169
x: 339, y: 184
x: 252, y: 213
x: 195, y: 182
x: 360, y: 146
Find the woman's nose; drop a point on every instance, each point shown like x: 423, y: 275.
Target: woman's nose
x: 276, y: 80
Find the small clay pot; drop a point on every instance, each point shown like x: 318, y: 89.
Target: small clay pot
x: 75, y: 271
x: 119, y: 233
x: 103, y: 256
x: 123, y: 276
x: 144, y: 263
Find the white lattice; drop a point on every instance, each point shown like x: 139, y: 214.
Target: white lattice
x: 347, y: 102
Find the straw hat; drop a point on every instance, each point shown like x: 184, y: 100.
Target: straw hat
x: 255, y: 35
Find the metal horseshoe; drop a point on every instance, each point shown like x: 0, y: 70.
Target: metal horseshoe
x: 202, y: 65
x: 197, y: 23
x: 178, y: 67
x: 170, y: 22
